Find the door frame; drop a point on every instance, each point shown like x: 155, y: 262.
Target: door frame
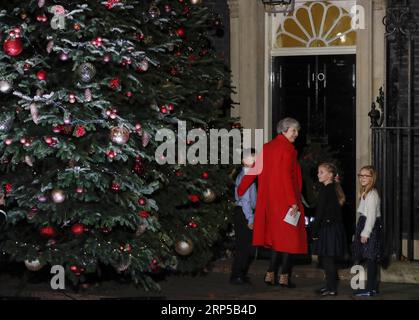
x: 370, y: 71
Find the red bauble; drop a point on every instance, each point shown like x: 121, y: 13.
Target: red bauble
x: 106, y: 230
x: 77, y: 229
x: 41, y: 75
x: 180, y: 32
x: 163, y: 109
x: 74, y: 268
x: 138, y: 166
x: 114, y: 83
x: 48, y: 232
x: 144, y: 214
x: 57, y: 129
x: 80, y: 131
x: 111, y: 154
x: 179, y: 173
x: 41, y: 18
x: 173, y: 71
x: 193, y: 198
x: 48, y: 140
x: 200, y: 98
x: 115, y: 186
x: 205, y: 175
x: 126, y: 248
x: 13, y: 47
x: 186, y: 10
x: 170, y: 106
x: 192, y: 224
x: 192, y: 58
x: 8, y: 188
x: 141, y: 201
x: 79, y: 189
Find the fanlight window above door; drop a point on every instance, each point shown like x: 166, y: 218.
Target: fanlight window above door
x: 316, y: 24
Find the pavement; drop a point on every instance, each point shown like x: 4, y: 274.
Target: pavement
x: 214, y: 285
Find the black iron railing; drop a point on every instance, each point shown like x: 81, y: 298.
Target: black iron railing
x: 394, y: 134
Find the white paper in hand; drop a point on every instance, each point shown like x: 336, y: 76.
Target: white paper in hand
x: 292, y: 219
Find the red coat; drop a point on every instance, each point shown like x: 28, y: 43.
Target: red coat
x: 279, y: 187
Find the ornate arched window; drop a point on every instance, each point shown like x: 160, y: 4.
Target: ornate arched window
x: 316, y: 24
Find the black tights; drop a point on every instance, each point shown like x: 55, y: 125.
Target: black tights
x: 276, y: 258
x: 372, y: 276
x: 330, y: 269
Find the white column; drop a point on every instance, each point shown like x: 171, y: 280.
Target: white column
x: 247, y: 27
x: 364, y: 91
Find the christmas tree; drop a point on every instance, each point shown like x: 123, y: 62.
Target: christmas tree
x: 85, y: 87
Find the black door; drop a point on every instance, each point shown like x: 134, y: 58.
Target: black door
x: 319, y: 91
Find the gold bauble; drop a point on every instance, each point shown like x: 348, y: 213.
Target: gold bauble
x: 195, y: 2
x: 208, y: 196
x: 23, y: 15
x: 184, y: 247
x: 119, y: 135
x: 58, y: 195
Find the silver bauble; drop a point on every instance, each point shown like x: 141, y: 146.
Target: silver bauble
x: 34, y: 265
x: 119, y: 135
x: 208, y: 196
x: 5, y: 86
x: 184, y: 248
x: 86, y: 72
x: 58, y: 195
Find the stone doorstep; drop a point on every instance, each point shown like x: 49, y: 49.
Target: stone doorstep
x: 401, y: 272
x: 397, y: 272
x: 258, y: 268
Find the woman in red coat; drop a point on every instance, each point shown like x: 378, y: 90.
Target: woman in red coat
x: 279, y: 190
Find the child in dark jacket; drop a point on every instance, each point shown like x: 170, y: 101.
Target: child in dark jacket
x: 328, y: 229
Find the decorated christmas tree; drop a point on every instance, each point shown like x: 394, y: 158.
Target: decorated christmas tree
x: 85, y: 87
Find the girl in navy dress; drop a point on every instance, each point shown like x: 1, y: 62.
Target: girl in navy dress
x: 368, y: 242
